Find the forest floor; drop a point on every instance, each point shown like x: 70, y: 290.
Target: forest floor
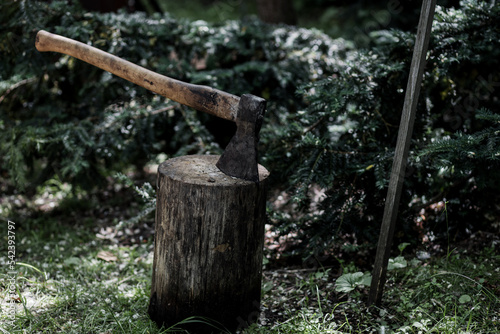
x: 82, y: 269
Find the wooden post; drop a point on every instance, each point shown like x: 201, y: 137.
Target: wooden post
x: 401, y: 154
x: 208, y: 244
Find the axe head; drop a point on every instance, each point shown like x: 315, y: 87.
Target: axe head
x: 240, y: 156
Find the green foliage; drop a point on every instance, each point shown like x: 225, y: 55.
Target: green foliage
x: 147, y: 195
x: 349, y: 282
x: 397, y: 263
x: 476, y: 154
x: 64, y: 117
x: 444, y: 295
x: 336, y: 154
x: 447, y: 295
x: 330, y: 128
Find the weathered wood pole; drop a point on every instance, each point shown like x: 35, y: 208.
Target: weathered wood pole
x: 401, y: 153
x: 208, y: 244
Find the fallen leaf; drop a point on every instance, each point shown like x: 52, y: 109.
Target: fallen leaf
x: 107, y: 256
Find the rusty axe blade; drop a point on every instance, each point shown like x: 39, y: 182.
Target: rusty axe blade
x: 240, y: 158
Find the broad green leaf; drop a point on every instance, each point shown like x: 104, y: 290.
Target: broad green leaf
x: 397, y: 263
x: 464, y: 299
x: 349, y: 282
x: 366, y: 280
x: 402, y: 246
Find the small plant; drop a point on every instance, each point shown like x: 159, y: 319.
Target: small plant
x: 147, y: 199
x: 349, y: 282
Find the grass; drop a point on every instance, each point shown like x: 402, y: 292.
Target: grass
x: 455, y: 295
x: 76, y: 273
x: 64, y: 286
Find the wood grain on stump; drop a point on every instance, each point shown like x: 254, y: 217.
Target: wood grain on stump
x: 208, y: 244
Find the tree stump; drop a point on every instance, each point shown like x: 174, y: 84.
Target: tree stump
x: 208, y: 244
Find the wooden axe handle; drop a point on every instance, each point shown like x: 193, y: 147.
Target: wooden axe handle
x: 202, y: 98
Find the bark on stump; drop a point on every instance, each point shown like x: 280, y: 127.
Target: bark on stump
x: 208, y: 244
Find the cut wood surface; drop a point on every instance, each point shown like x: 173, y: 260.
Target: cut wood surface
x: 208, y: 244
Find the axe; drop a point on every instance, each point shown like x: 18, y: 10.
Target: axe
x: 240, y: 156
